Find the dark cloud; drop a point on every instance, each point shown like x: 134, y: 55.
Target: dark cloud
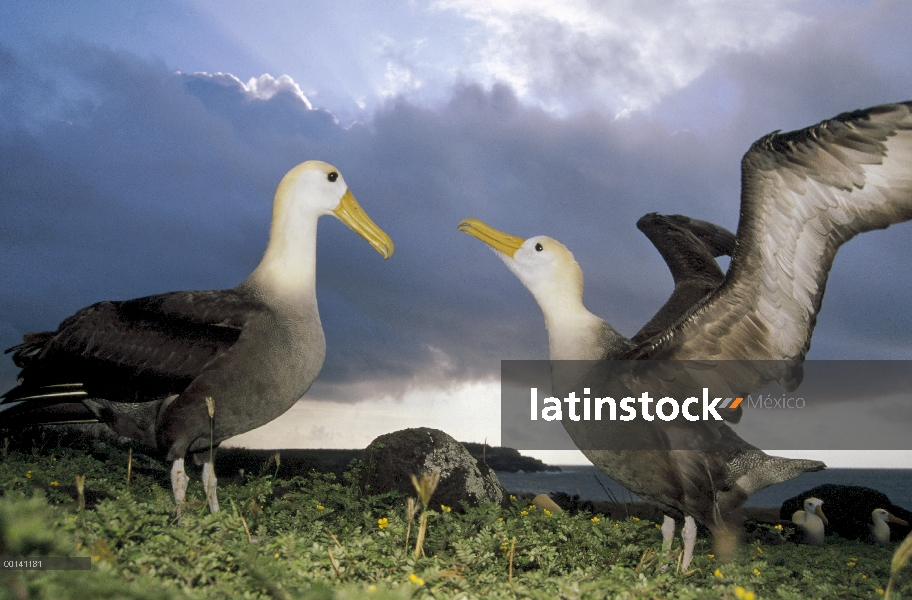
x: 120, y: 178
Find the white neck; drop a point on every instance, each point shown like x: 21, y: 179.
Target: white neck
x: 881, y: 531
x: 573, y: 331
x: 814, y: 527
x: 289, y: 266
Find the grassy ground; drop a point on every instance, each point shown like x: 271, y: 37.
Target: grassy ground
x: 318, y: 535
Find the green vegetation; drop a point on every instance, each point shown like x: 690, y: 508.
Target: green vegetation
x: 317, y: 535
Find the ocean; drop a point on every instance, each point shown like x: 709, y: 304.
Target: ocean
x: 581, y: 479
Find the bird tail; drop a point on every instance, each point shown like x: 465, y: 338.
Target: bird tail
x: 46, y: 405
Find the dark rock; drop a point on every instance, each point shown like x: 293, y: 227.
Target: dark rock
x: 392, y: 459
x: 848, y: 509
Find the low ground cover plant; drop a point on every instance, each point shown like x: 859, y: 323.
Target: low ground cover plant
x: 321, y: 535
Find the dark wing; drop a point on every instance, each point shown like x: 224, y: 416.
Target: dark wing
x: 689, y: 247
x: 131, y: 351
x: 804, y: 194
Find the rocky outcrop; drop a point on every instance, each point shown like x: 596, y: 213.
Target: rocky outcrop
x: 392, y: 459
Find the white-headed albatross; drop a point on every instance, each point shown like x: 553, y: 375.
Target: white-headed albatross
x: 804, y: 194
x: 145, y: 367
x: 689, y: 248
x: 813, y: 522
x: 880, y: 531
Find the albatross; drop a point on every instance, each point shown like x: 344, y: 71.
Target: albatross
x: 880, y: 531
x: 812, y: 522
x: 689, y: 247
x: 804, y: 194
x: 162, y: 369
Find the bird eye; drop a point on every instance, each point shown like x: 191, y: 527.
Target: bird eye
x: 332, y: 176
x: 538, y: 248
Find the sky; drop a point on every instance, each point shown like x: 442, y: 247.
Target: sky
x: 141, y: 143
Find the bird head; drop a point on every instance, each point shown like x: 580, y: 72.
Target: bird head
x: 545, y: 266
x: 883, y: 515
x: 318, y: 187
x: 814, y: 505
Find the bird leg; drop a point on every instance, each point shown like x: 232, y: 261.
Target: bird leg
x: 689, y: 535
x: 209, y: 484
x: 179, y: 481
x: 668, y: 530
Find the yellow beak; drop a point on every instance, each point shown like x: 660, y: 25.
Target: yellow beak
x: 819, y: 512
x: 503, y: 242
x: 897, y: 520
x: 351, y: 213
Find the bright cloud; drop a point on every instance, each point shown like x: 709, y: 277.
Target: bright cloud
x: 263, y: 87
x: 626, y: 55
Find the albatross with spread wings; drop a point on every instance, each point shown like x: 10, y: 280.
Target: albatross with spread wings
x: 146, y: 367
x: 804, y: 194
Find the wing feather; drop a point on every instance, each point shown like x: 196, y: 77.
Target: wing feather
x: 164, y: 340
x: 804, y: 194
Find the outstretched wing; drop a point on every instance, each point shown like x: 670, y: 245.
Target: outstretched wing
x: 689, y: 247
x: 804, y: 194
x: 130, y: 351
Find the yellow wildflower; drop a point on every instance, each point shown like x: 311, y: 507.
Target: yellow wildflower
x: 372, y: 589
x: 718, y: 574
x: 416, y: 580
x: 778, y: 527
x: 524, y: 513
x: 512, y: 497
x: 756, y: 571
x: 320, y: 507
x: 383, y: 523
x: 28, y: 474
x: 743, y: 594
x: 711, y: 556
x: 276, y: 555
x: 547, y: 512
x: 595, y: 519
x: 445, y: 508
x: 54, y: 483
x: 759, y: 549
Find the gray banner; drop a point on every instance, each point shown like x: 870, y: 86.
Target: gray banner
x: 706, y: 405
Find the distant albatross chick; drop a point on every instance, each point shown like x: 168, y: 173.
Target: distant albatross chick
x: 145, y: 367
x: 880, y: 530
x: 812, y: 522
x: 804, y: 194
